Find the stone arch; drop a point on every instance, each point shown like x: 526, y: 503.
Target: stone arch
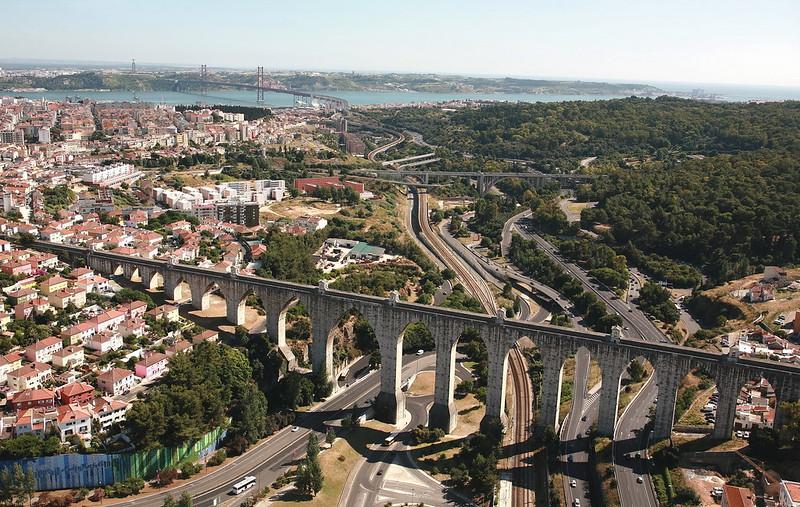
x: 238, y: 307
x: 181, y: 291
x: 748, y: 387
x: 136, y: 276
x: 202, y: 290
x: 118, y: 270
x: 636, y: 387
x: 553, y: 352
x: 155, y: 281
x: 583, y: 372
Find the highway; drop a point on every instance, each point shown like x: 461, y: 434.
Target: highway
x: 574, y: 441
x: 388, y: 146
x: 274, y: 455
x: 389, y: 473
x: 629, y: 441
x: 635, y: 417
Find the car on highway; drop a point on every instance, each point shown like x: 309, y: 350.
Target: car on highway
x: 573, y: 483
x: 420, y: 352
x: 583, y: 418
x: 639, y: 480
x: 295, y: 429
x: 576, y: 502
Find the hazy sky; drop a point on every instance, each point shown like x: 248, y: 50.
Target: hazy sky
x: 711, y: 41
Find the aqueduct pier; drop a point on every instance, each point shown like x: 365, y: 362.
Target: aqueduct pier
x: 389, y: 317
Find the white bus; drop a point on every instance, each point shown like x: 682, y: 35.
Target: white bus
x: 243, y: 485
x: 388, y: 440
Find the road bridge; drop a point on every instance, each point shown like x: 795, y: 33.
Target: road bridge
x: 389, y: 318
x: 486, y: 180
x: 327, y: 101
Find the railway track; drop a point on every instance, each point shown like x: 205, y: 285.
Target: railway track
x: 523, y: 480
x: 523, y: 477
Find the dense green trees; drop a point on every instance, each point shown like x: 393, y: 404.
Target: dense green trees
x: 416, y: 337
x: 345, y: 195
x: 536, y: 264
x: 199, y: 392
x: 288, y: 257
x: 29, y: 446
x: 656, y: 301
x: 126, y: 295
x: 560, y: 133
x: 58, y: 197
x: 728, y: 215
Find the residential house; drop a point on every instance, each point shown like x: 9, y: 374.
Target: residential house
x: 42, y: 351
x: 34, y: 421
x: 760, y: 293
x: 109, y: 411
x: 74, y: 420
x: 29, y: 376
x: 178, y: 347
x: 135, y: 327
x: 207, y: 335
x: 80, y: 274
x: 108, y: 320
x: 22, y: 295
x: 33, y: 398
x: 8, y: 363
x: 79, y: 333
x: 151, y: 366
x: 166, y: 312
x: 69, y: 357
x: 733, y: 496
x: 76, y: 392
x: 17, y: 268
x: 62, y: 298
x: 134, y: 309
x: 53, y: 284
x: 116, y: 381
x: 105, y: 342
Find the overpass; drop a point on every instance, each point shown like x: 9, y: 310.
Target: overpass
x: 486, y: 180
x: 389, y: 318
x: 327, y: 101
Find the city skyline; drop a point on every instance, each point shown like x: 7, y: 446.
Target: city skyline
x: 715, y: 42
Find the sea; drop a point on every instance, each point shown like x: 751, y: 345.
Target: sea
x: 271, y: 99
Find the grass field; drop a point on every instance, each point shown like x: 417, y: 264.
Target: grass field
x: 337, y: 463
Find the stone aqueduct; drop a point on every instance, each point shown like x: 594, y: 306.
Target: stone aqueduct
x: 389, y: 318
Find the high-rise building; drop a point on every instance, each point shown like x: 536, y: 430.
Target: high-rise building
x: 12, y: 137
x: 44, y: 135
x: 242, y: 213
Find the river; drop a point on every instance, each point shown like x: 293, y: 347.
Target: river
x: 247, y: 97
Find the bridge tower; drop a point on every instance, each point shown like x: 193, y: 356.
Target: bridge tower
x: 260, y: 84
x: 133, y: 66
x: 203, y: 77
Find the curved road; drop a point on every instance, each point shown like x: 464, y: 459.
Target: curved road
x: 388, y: 473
